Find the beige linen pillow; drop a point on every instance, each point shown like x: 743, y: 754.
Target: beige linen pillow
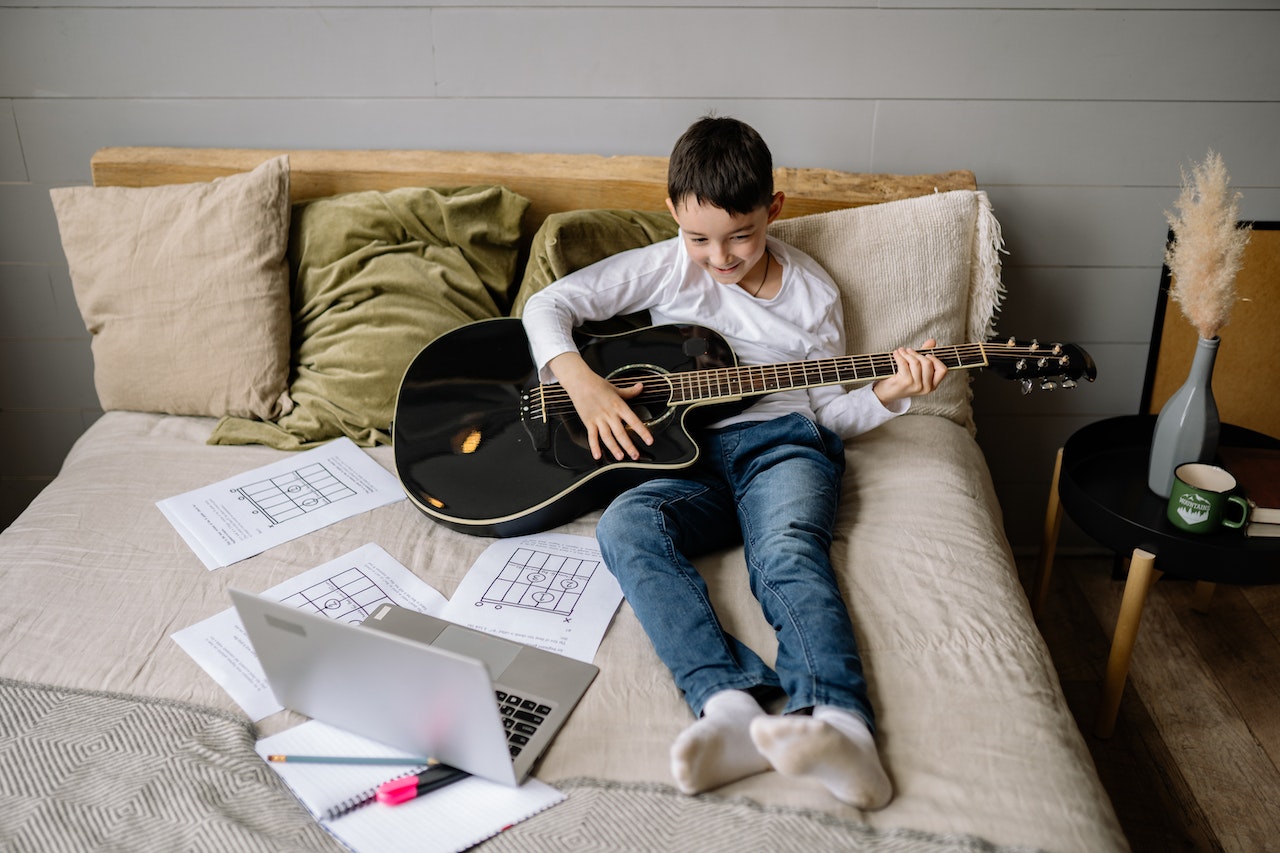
x: 185, y: 289
x: 910, y: 270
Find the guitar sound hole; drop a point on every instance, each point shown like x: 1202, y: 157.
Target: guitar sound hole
x: 651, y: 403
x: 571, y: 447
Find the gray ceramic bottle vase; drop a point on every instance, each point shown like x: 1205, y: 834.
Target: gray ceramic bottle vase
x: 1187, y: 426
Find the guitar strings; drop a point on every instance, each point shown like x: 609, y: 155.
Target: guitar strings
x: 700, y: 382
x: 728, y: 382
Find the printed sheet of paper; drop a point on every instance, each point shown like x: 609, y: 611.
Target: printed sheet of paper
x: 349, y: 588
x: 551, y: 591
x: 450, y: 819
x: 245, y: 515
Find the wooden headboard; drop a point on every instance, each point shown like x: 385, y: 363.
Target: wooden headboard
x: 552, y: 182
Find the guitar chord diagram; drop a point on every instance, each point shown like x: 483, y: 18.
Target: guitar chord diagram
x: 349, y: 596
x: 537, y: 580
x: 296, y: 493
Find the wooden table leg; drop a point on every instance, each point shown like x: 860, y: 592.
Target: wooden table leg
x: 1049, y: 543
x: 1142, y: 574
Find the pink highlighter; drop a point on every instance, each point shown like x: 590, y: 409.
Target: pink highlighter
x: 406, y: 788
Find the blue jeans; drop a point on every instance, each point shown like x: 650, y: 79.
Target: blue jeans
x: 773, y: 486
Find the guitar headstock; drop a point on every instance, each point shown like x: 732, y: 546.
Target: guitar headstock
x: 1055, y: 365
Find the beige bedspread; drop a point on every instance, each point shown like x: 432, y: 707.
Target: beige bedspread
x: 973, y: 727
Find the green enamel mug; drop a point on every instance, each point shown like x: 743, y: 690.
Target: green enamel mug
x: 1201, y: 501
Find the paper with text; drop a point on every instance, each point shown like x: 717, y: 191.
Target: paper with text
x: 245, y: 515
x: 447, y: 820
x: 347, y: 588
x: 550, y: 590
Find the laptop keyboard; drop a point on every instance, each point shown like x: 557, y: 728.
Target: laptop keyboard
x: 521, y: 717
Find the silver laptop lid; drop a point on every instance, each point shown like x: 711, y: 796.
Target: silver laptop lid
x: 425, y: 700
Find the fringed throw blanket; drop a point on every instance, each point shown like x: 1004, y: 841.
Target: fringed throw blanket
x: 82, y: 770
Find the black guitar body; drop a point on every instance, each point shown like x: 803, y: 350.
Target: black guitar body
x: 483, y: 447
x: 471, y: 456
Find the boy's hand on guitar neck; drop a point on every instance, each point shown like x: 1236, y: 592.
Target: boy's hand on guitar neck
x: 610, y: 422
x: 918, y: 373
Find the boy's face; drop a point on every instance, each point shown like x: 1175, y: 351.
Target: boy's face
x: 726, y: 245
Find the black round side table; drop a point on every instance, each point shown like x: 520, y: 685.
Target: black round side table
x: 1100, y: 480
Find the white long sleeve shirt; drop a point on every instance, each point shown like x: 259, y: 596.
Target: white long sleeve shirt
x: 802, y: 321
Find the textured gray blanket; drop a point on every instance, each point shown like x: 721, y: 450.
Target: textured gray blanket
x: 97, y: 771
x: 82, y: 770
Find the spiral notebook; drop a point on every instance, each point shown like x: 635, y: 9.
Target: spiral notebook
x: 447, y: 820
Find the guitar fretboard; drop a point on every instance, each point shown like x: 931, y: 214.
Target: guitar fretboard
x: 731, y: 383
x: 724, y: 384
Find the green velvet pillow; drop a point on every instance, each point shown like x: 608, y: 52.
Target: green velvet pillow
x: 377, y: 276
x: 575, y: 239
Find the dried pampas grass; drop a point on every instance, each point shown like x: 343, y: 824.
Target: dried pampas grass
x: 1207, y: 247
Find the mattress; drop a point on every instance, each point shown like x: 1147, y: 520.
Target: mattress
x: 972, y: 725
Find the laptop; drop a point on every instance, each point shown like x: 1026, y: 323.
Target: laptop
x: 481, y: 703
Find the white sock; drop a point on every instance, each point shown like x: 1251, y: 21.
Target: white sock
x: 833, y: 746
x: 717, y: 749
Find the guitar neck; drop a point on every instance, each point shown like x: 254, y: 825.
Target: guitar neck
x: 733, y: 383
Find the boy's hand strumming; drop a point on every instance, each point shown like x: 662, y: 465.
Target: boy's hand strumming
x: 610, y: 422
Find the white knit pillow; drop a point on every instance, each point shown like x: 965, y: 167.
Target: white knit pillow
x: 911, y: 270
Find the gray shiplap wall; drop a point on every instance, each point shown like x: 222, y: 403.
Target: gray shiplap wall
x: 1076, y: 117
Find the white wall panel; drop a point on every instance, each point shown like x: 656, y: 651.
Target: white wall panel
x: 1021, y: 448
x: 38, y: 441
x: 1104, y: 226
x: 261, y: 52
x: 36, y: 301
x: 63, y: 133
x: 30, y: 232
x: 1122, y: 5
x: 831, y: 4
x: 858, y: 53
x: 235, y: 4
x: 1061, y: 303
x: 1081, y: 143
x: 12, y: 167
x: 46, y: 375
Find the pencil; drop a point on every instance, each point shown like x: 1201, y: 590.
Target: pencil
x: 345, y: 759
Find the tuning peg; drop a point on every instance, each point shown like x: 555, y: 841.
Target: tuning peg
x: 1048, y: 385
x: 1026, y: 386
x: 1068, y: 384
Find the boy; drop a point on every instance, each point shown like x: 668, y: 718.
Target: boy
x: 768, y: 477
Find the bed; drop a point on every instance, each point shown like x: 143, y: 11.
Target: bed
x: 247, y: 304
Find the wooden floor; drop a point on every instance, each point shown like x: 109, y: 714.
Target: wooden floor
x: 1194, y: 763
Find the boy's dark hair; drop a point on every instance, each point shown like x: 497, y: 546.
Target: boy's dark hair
x: 724, y: 162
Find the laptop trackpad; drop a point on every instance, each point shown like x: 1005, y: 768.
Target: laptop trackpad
x: 494, y: 652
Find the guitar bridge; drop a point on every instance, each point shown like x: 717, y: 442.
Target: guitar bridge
x: 535, y: 424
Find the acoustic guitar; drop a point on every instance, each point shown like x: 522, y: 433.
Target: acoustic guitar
x: 483, y: 447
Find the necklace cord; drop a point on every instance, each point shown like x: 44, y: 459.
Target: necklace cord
x: 765, y: 277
